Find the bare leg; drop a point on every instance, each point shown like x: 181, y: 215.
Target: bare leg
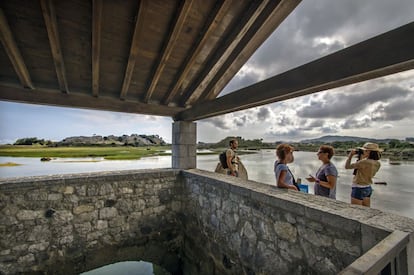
x: 356, y: 201
x: 366, y: 202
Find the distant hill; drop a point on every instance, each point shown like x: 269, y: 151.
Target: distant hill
x: 329, y: 139
x: 131, y: 140
x: 243, y: 143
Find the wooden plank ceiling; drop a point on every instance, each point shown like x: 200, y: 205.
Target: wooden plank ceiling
x: 166, y: 57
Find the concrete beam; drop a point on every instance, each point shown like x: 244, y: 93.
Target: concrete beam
x: 382, y: 55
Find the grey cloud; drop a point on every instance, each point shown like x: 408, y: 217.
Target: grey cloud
x: 276, y: 135
x: 240, y: 121
x: 396, y: 110
x: 352, y: 123
x: 218, y: 122
x: 342, y: 23
x: 285, y: 120
x: 329, y: 130
x: 339, y: 105
x: 240, y: 81
x: 264, y: 113
x: 311, y: 124
x: 291, y: 45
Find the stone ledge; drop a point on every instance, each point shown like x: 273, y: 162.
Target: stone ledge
x: 36, y: 181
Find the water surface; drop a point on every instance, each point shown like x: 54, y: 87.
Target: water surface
x: 395, y: 197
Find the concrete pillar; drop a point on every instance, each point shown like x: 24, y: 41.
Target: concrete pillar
x: 184, y: 138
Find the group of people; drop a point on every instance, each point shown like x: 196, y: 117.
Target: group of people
x: 365, y: 167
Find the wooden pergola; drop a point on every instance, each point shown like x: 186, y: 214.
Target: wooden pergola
x: 167, y: 58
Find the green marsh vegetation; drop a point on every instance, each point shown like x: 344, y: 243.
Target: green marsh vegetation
x: 9, y: 164
x: 398, y: 150
x: 110, y: 153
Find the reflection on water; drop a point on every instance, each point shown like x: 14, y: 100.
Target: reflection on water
x: 395, y: 197
x: 128, y: 268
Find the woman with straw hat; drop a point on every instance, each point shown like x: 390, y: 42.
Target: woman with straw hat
x: 365, y: 167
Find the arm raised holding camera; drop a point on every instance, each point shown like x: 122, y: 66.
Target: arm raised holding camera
x: 348, y: 160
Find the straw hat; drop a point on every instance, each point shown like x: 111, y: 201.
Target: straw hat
x: 371, y: 147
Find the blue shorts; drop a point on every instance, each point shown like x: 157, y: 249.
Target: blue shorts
x: 361, y: 193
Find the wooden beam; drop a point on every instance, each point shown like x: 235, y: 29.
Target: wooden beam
x: 96, y: 44
x: 49, y: 15
x: 235, y: 61
x: 221, y: 56
x: 388, y: 53
x: 83, y: 100
x: 139, y: 26
x: 169, y: 47
x: 13, y: 52
x: 212, y: 25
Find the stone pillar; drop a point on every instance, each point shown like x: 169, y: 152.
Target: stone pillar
x: 184, y: 138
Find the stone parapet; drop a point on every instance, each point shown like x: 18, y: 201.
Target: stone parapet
x: 245, y: 227
x: 66, y: 224
x: 187, y: 221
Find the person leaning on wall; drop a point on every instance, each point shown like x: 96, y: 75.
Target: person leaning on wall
x: 365, y: 169
x: 284, y: 177
x: 232, y: 158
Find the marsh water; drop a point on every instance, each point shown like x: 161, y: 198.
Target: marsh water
x: 394, y: 197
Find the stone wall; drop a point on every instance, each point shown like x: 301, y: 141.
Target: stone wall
x: 72, y: 223
x: 189, y: 222
x: 244, y: 227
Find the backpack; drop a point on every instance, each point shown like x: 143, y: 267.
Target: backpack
x: 223, y: 160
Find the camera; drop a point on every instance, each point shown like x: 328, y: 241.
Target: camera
x: 358, y: 151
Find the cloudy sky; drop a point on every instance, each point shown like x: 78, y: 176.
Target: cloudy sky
x: 380, y: 108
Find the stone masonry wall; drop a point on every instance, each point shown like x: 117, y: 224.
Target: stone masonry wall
x: 189, y: 222
x: 71, y: 223
x: 234, y: 226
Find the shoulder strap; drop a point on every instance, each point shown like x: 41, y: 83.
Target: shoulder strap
x: 293, y: 177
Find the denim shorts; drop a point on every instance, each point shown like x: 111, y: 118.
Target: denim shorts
x: 361, y: 193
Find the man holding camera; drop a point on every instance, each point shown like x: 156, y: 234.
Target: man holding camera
x: 365, y: 169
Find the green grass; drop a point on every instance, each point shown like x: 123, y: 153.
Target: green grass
x: 9, y: 164
x: 113, y: 153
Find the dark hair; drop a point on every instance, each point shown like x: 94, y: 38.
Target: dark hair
x: 282, y: 150
x: 375, y: 155
x: 327, y: 149
x: 232, y: 141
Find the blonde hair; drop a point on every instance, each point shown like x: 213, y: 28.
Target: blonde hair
x: 283, y: 149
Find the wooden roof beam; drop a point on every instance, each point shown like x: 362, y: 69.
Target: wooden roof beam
x: 13, y: 52
x: 212, y: 25
x: 385, y: 54
x: 139, y: 25
x: 229, y: 45
x: 96, y: 44
x: 251, y: 43
x: 169, y: 47
x: 82, y: 100
x: 49, y: 15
